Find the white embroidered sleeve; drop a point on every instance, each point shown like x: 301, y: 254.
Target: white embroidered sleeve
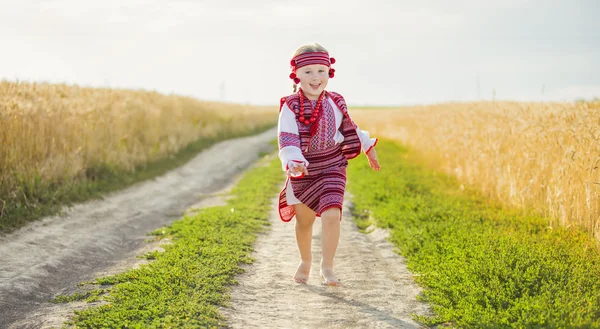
x: 365, y: 140
x: 289, y: 139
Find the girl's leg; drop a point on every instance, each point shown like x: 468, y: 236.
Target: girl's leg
x: 330, y: 237
x: 305, y: 218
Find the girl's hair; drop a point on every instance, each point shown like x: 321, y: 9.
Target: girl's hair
x: 309, y: 48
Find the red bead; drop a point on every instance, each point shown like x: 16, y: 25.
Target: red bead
x: 313, y: 112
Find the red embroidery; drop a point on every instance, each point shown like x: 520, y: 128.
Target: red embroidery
x: 324, y: 137
x: 351, y: 147
x: 288, y: 139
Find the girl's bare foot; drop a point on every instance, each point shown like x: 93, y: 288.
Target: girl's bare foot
x: 329, y: 277
x: 302, y: 272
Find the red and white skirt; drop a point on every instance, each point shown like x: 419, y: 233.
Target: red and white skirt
x: 322, y: 188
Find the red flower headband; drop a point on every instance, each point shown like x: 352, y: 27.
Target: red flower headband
x: 309, y: 59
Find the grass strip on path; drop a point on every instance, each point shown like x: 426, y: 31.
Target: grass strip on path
x: 482, y: 266
x: 184, y: 285
x: 38, y: 198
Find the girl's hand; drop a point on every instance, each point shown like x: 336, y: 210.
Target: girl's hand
x: 297, y: 169
x: 373, y: 161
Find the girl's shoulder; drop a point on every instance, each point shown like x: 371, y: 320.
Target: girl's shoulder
x: 334, y: 94
x: 339, y: 100
x: 293, y: 96
x: 292, y: 101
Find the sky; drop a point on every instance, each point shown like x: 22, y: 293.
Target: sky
x: 388, y: 52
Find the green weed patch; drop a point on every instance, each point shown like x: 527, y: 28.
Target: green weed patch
x: 481, y: 266
x: 184, y: 285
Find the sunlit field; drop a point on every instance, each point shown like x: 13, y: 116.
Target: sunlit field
x: 539, y: 156
x: 52, y: 135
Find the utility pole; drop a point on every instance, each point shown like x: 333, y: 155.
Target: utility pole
x: 543, y: 89
x: 222, y: 91
x: 478, y: 87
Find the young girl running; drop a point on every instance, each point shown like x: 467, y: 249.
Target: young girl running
x: 316, y: 139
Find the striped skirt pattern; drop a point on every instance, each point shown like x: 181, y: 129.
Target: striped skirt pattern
x: 322, y: 188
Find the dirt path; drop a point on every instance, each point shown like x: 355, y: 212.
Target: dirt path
x: 103, y: 237
x: 51, y: 256
x: 378, y: 291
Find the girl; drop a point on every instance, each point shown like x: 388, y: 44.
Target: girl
x: 316, y: 138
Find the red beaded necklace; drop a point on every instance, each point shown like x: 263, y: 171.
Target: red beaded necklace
x: 315, y: 113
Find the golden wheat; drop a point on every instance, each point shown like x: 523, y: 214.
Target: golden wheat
x: 536, y: 155
x: 55, y: 132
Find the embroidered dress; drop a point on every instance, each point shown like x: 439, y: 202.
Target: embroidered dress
x: 325, y: 154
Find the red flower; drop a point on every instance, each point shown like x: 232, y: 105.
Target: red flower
x: 331, y: 73
x: 332, y: 60
x: 296, y: 81
x: 292, y: 75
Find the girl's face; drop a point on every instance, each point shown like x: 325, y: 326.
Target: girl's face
x: 313, y: 79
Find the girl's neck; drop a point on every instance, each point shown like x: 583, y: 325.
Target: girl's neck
x: 311, y: 97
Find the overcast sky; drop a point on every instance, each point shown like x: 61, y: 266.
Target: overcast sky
x: 389, y: 52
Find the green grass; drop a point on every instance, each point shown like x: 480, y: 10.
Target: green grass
x: 184, y: 285
x: 37, y: 198
x: 89, y: 296
x: 481, y: 265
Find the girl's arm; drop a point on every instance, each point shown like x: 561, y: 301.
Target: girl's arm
x: 289, y: 139
x: 368, y: 146
x: 338, y: 102
x: 365, y: 140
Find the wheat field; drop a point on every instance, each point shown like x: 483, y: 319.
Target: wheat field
x: 55, y: 132
x: 539, y: 156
